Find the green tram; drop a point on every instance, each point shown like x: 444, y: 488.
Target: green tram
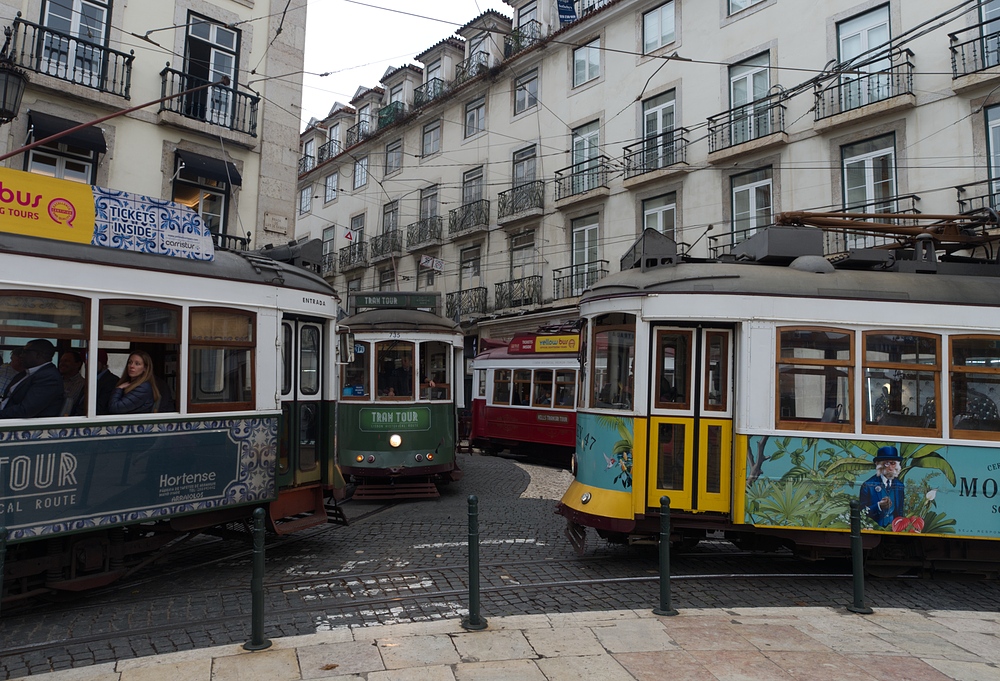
x: 396, y: 420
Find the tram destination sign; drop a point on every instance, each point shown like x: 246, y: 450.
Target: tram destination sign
x: 396, y: 300
x: 382, y: 419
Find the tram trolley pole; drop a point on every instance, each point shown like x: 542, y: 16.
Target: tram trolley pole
x: 257, y: 640
x: 665, y: 609
x: 857, y: 558
x: 474, y: 622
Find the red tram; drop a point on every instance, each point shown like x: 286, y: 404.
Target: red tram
x: 524, y: 395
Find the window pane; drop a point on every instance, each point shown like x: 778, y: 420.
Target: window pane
x: 355, y: 374
x: 674, y: 361
x: 220, y: 375
x: 133, y: 320
x: 221, y: 325
x: 614, y: 354
x: 670, y: 456
x: 309, y: 349
x: 29, y: 313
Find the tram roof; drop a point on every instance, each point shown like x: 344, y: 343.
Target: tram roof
x: 229, y: 265
x: 399, y: 320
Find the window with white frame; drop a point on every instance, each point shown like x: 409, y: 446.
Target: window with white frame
x: 749, y: 83
x: 989, y: 13
x: 329, y: 250
x: 659, y: 149
x: 64, y: 161
x: 527, y: 12
x: 522, y: 254
x: 357, y: 233
x: 475, y: 117
x: 207, y: 196
x: 361, y: 172
x: 333, y: 135
x: 62, y: 55
x: 393, y: 156
x: 585, y: 232
x: 526, y: 92
x: 857, y: 38
x: 210, y: 54
x: 751, y: 197
x: 658, y: 27
x: 524, y: 165
x: 330, y: 187
x: 386, y: 279
x: 433, y: 70
x: 390, y: 216
x: 993, y: 144
x: 308, y: 155
x: 587, y: 62
x: 659, y: 213
x: 396, y: 93
x: 870, y: 175
x: 305, y: 199
x: 740, y: 5
x: 472, y: 185
x: 586, y: 145
x: 470, y: 267
x: 429, y: 202
x: 431, y: 143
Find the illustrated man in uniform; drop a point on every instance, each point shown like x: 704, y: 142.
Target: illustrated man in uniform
x: 882, y: 495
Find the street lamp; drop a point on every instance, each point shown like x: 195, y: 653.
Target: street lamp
x: 12, y: 81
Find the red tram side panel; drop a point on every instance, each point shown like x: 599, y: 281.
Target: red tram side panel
x: 524, y: 397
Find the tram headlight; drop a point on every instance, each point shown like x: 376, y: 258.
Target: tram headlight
x: 430, y: 456
x: 585, y: 498
x: 359, y: 458
x: 419, y: 457
x: 371, y: 458
x: 395, y: 440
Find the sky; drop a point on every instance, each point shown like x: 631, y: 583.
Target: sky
x: 357, y: 43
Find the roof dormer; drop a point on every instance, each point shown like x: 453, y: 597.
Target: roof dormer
x: 484, y: 44
x: 367, y: 102
x: 439, y: 62
x: 399, y: 85
x: 533, y: 20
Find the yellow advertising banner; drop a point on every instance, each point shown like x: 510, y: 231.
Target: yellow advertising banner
x: 557, y: 343
x: 36, y: 205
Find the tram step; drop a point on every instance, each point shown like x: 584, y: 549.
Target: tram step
x: 408, y: 490
x: 335, y: 514
x: 296, y: 509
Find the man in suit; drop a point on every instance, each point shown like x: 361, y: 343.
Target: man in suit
x: 39, y: 392
x: 106, y: 382
x: 882, y: 495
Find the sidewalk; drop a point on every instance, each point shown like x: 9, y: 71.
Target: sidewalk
x: 755, y: 644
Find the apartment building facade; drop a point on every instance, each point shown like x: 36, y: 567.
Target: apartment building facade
x: 517, y: 160
x: 228, y: 151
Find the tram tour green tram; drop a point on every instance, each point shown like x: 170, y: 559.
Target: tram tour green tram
x: 400, y: 370
x: 762, y: 391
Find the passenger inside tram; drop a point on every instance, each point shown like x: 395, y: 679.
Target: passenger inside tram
x: 38, y: 390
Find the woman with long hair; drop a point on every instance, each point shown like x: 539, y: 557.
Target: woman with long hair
x: 136, y: 393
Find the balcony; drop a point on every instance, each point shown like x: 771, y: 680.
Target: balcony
x: 587, y: 6
x: 975, y: 49
x: 581, y: 178
x: 306, y: 163
x: 328, y: 267
x: 656, y: 153
x: 465, y: 302
x: 977, y: 197
x: 359, y: 132
x: 468, y: 69
x: 469, y: 218
x: 524, y: 201
x: 353, y: 257
x: 71, y: 59
x: 518, y: 292
x: 387, y: 245
x: 393, y: 113
x: 871, y: 92
x: 328, y: 151
x: 231, y: 242
x: 424, y: 233
x: 217, y: 105
x: 430, y: 90
x: 521, y: 38
x: 761, y: 121
x: 569, y: 282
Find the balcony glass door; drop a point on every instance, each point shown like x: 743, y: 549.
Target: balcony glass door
x: 749, y: 83
x: 63, y: 55
x: 658, y: 124
x: 585, y: 253
x: 859, y: 39
x: 586, y: 148
x: 991, y: 32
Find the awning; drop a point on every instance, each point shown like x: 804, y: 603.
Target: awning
x: 211, y: 168
x: 88, y: 138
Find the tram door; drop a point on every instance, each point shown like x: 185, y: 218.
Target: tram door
x: 301, y: 401
x: 691, y: 419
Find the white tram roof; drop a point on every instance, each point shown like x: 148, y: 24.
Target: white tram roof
x: 501, y: 356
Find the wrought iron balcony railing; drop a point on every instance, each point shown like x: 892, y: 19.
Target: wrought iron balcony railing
x: 745, y: 123
x: 72, y: 59
x: 472, y: 67
x: 587, y: 6
x: 424, y: 232
x: 306, y: 163
x: 655, y: 153
x: 390, y: 114
x: 855, y: 91
x: 218, y: 105
x: 466, y: 301
x: 568, y: 282
x: 521, y: 38
x: 386, y: 245
x: 521, y: 199
x: 518, y: 292
x: 432, y: 89
x: 358, y: 132
x: 975, y: 197
x: 328, y: 151
x: 975, y: 53
x: 469, y: 217
x: 582, y: 177
x: 231, y: 242
x: 329, y: 265
x: 353, y: 256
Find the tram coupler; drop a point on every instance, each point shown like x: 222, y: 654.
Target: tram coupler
x: 665, y: 609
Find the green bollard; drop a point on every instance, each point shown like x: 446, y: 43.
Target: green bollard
x: 474, y: 622
x: 858, y: 558
x: 257, y: 640
x: 665, y: 609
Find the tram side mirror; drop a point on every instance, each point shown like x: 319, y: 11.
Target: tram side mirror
x: 347, y: 347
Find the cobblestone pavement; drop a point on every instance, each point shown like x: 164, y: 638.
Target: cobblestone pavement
x: 408, y: 562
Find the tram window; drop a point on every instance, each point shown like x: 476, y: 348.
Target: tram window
x: 481, y: 382
x: 670, y: 456
x: 501, y: 386
x: 565, y: 388
x: 394, y: 360
x: 286, y: 358
x: 222, y: 351
x: 309, y: 349
x: 716, y: 386
x: 39, y: 315
x: 901, y: 386
x: 673, y: 367
x: 613, y: 360
x: 521, y: 390
x: 815, y: 375
x: 542, y: 394
x: 156, y: 328
x: 132, y: 321
x: 975, y: 386
x: 355, y: 381
x: 434, y: 371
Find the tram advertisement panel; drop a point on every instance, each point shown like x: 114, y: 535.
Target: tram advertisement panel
x: 901, y: 487
x: 91, y: 477
x: 611, y: 436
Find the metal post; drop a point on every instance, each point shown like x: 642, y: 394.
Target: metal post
x: 665, y: 608
x: 474, y: 622
x: 3, y: 554
x: 257, y: 640
x: 859, y: 564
